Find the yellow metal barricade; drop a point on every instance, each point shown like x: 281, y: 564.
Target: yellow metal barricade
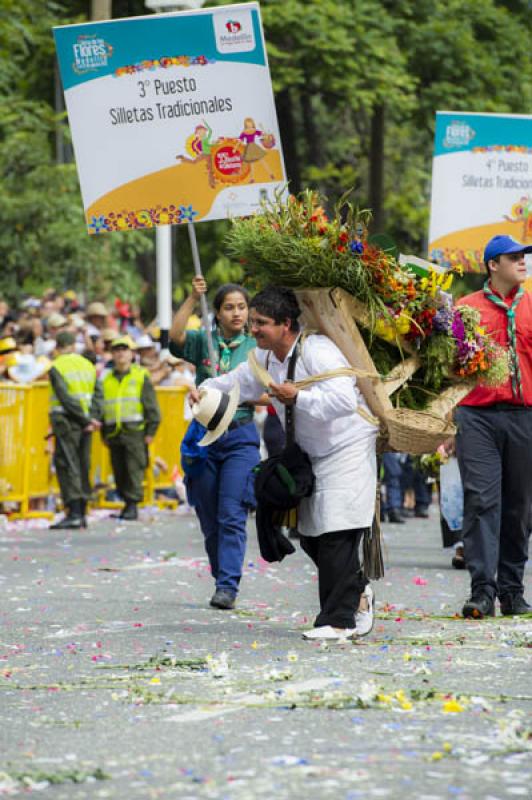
x: 26, y: 476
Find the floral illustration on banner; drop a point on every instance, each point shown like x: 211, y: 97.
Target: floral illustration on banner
x: 521, y: 213
x: 165, y: 62
x: 142, y: 218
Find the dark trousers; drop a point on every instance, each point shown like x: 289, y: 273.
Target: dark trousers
x: 414, y: 478
x: 494, y: 450
x: 71, y: 460
x: 340, y: 577
x: 129, y: 459
x: 393, y: 469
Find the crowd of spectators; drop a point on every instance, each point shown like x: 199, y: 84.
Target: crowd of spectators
x: 28, y: 337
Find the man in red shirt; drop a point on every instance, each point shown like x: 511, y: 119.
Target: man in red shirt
x: 494, y: 442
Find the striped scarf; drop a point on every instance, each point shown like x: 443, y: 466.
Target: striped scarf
x: 515, y: 369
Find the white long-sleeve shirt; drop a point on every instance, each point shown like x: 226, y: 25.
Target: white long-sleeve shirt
x: 325, y: 413
x: 340, y: 443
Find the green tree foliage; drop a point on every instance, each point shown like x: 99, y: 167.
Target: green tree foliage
x: 43, y: 238
x: 357, y: 85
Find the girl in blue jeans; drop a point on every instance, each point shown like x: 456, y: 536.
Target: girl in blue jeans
x: 221, y: 490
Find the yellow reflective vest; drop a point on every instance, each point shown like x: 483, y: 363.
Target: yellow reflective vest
x: 122, y: 400
x: 79, y: 376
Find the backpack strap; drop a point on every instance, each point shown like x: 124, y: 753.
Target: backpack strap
x: 289, y: 414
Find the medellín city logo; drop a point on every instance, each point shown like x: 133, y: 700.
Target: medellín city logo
x: 234, y: 33
x: 458, y: 134
x: 91, y: 52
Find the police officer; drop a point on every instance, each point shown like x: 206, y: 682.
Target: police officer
x: 75, y: 408
x: 131, y: 417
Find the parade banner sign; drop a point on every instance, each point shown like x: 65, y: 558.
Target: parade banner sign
x: 481, y: 184
x: 172, y: 116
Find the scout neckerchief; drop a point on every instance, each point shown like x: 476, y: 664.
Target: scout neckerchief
x: 515, y: 370
x: 226, y: 345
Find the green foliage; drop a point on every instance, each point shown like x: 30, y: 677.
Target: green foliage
x: 43, y: 238
x: 333, y: 62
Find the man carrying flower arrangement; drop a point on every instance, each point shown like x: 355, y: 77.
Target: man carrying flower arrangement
x: 340, y: 443
x: 494, y: 441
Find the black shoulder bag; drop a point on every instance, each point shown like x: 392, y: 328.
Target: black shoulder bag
x: 280, y: 484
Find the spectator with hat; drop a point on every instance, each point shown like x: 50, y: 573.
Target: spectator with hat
x: 75, y: 408
x: 149, y: 359
x: 494, y: 441
x: 131, y: 417
x: 96, y: 318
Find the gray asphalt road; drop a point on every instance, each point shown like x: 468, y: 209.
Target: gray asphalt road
x: 115, y: 673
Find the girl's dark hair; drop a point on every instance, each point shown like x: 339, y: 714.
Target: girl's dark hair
x: 279, y: 304
x: 226, y: 289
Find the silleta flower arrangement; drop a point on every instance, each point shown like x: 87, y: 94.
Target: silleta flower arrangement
x: 294, y: 243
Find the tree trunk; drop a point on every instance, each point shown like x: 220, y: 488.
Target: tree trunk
x: 288, y: 136
x: 312, y: 137
x: 376, y: 169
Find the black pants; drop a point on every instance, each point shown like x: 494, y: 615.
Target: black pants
x: 494, y: 449
x: 340, y: 577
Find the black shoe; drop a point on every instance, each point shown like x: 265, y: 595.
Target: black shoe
x: 129, y: 512
x: 478, y: 607
x: 422, y: 512
x: 458, y: 560
x: 407, y: 513
x: 513, y: 605
x: 222, y: 599
x: 70, y: 522
x: 395, y: 516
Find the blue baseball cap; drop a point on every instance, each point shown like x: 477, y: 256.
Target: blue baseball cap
x: 504, y: 245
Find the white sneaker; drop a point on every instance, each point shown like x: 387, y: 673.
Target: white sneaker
x: 330, y: 633
x: 364, y: 619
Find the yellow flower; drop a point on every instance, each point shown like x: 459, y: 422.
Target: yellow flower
x: 402, y: 324
x: 437, y: 756
x: 446, y: 280
x: 292, y: 657
x: 447, y: 747
x: 452, y: 707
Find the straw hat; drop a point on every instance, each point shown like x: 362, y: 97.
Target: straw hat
x: 29, y: 368
x: 96, y: 309
x: 215, y: 411
x: 56, y: 320
x: 144, y: 342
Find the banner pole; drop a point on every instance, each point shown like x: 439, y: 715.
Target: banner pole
x: 203, y: 299
x: 163, y: 258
